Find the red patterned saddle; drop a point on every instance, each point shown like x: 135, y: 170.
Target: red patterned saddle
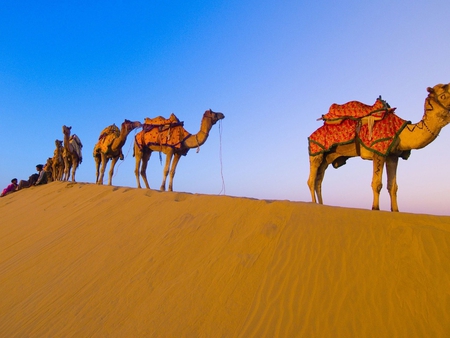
x: 356, y: 110
x: 374, y: 127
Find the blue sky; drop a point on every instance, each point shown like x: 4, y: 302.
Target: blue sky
x: 272, y: 67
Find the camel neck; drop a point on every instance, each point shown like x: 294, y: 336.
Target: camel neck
x: 421, y: 134
x: 196, y: 140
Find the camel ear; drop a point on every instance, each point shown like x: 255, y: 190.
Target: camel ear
x: 430, y: 90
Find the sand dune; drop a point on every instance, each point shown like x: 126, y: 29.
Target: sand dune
x: 80, y: 260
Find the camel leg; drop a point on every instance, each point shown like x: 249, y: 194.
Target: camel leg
x: 176, y: 158
x: 55, y: 172
x: 137, y: 153
x: 392, y: 187
x: 314, y: 164
x: 378, y: 163
x: 111, y: 169
x: 74, y: 168
x: 66, y: 170
x: 97, y: 167
x: 169, y: 156
x: 145, y: 158
x: 104, y: 161
x: 319, y: 179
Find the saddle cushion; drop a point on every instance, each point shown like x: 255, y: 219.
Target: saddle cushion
x: 162, y: 132
x: 106, y: 138
x: 355, y: 110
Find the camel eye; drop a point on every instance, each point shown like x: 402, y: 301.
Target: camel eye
x: 443, y: 97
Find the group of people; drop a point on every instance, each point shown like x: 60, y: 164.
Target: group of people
x: 35, y: 179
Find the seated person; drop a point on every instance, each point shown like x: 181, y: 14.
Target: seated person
x: 34, y: 179
x: 10, y: 188
x: 42, y: 179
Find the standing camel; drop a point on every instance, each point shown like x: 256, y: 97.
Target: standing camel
x: 109, y: 146
x: 413, y: 136
x: 58, y: 162
x: 72, y: 153
x: 142, y: 152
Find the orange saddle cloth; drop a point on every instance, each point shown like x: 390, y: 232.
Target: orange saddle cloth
x: 160, y: 131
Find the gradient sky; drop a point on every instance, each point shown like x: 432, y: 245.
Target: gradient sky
x: 272, y: 67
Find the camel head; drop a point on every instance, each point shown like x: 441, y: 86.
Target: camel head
x: 66, y: 130
x: 49, y: 163
x: 130, y: 125
x: 58, y: 143
x: 439, y: 95
x: 213, y: 116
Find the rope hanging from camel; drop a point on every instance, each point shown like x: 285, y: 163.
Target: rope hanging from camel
x: 129, y: 149
x: 220, y: 157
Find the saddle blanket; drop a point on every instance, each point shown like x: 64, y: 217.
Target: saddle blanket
x: 377, y: 138
x: 159, y: 131
x: 356, y: 110
x: 106, y: 138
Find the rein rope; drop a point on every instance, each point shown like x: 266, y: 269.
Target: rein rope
x: 222, y: 191
x: 125, y: 156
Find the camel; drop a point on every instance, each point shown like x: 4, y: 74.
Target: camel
x: 72, y: 153
x: 58, y: 162
x: 109, y: 146
x: 48, y: 168
x: 142, y: 153
x: 413, y: 136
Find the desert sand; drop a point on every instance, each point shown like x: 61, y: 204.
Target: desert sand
x: 82, y: 260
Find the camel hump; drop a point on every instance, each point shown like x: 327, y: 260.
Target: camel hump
x: 110, y: 130
x: 162, y: 121
x: 75, y: 145
x: 355, y: 110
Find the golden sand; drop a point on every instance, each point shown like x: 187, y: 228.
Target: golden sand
x: 81, y: 260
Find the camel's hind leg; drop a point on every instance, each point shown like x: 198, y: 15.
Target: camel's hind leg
x: 169, y: 156
x: 315, y: 177
x: 392, y: 187
x: 176, y: 158
x: 103, y: 163
x: 145, y: 158
x: 378, y: 163
x: 97, y: 167
x: 142, y: 157
x: 111, y: 169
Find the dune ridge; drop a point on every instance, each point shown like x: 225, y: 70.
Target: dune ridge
x: 82, y: 260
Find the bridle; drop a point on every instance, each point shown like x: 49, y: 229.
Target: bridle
x: 435, y: 99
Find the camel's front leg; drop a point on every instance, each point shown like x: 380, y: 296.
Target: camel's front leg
x: 169, y: 156
x: 176, y: 158
x: 66, y: 173
x: 74, y: 169
x: 111, y: 169
x: 378, y: 163
x: 392, y: 187
x: 144, y: 160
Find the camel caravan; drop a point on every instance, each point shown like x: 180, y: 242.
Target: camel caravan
x: 374, y: 133
x: 159, y: 134
x: 349, y: 130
